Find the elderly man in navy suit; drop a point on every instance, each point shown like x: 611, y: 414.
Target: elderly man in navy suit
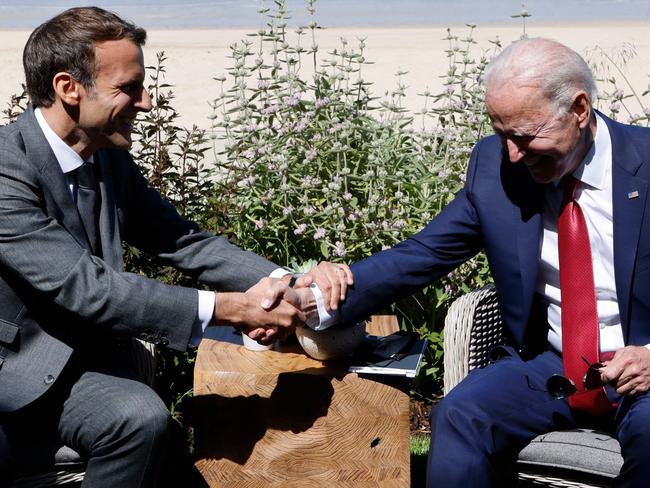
x: 554, y: 164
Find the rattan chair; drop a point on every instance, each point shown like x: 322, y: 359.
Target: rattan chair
x: 575, y: 458
x: 54, y: 464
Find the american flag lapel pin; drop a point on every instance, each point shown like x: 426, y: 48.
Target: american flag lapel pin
x: 633, y: 194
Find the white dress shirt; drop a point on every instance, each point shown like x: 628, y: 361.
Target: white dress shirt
x: 69, y: 161
x: 594, y: 195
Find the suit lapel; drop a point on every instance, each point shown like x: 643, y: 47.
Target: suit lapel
x: 54, y: 182
x: 629, y: 194
x: 529, y: 229
x: 525, y: 199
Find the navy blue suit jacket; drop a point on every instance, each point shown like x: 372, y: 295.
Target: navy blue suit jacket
x: 500, y: 210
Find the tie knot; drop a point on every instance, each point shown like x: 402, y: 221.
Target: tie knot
x: 85, y: 175
x: 569, y: 185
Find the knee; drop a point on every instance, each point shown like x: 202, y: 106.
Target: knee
x: 145, y: 414
x: 453, y: 412
x: 633, y: 427
x: 138, y: 417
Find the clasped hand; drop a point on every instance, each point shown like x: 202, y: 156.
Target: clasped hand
x: 279, y: 308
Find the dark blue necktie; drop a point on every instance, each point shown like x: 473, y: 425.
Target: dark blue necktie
x: 88, y: 203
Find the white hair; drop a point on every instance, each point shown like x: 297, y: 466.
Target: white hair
x: 559, y: 71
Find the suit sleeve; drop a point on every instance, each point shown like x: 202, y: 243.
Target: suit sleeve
x: 450, y: 239
x: 152, y: 224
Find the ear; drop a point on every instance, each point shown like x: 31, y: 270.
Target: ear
x: 581, y: 108
x: 67, y: 88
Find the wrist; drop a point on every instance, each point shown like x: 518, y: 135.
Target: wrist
x: 230, y: 308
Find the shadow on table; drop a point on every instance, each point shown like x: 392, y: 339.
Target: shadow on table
x: 230, y: 427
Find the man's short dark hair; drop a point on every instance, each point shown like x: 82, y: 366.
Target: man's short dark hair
x: 66, y: 43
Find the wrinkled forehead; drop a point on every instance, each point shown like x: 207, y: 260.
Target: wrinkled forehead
x: 516, y: 96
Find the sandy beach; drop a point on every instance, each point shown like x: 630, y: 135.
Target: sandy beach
x: 196, y: 56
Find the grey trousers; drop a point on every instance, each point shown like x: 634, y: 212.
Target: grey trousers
x: 100, y: 407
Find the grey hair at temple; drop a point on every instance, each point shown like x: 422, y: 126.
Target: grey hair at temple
x: 559, y: 71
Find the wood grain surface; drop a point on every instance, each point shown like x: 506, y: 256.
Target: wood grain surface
x: 281, y: 419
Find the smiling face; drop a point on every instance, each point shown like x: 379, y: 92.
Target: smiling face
x: 108, y: 109
x: 550, y: 145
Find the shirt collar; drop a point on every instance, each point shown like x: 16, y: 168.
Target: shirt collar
x: 594, y: 167
x: 64, y: 154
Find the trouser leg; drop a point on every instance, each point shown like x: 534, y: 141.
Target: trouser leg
x: 633, y: 434
x: 121, y: 425
x: 478, y: 429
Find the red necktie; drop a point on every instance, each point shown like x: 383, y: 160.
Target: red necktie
x: 579, y: 313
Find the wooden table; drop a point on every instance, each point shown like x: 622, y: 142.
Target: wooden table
x: 281, y: 419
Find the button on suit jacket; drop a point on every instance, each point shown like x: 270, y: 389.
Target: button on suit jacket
x: 56, y: 297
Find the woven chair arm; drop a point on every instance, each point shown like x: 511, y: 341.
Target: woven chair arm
x: 473, y: 326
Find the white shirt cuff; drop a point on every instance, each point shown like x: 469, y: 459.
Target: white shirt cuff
x: 279, y: 273
x: 324, y: 319
x: 204, y: 315
x: 207, y: 305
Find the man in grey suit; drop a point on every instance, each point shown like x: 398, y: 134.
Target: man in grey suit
x: 68, y: 311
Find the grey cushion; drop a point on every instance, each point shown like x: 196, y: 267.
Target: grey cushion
x: 62, y: 466
x: 582, y: 450
x: 66, y: 456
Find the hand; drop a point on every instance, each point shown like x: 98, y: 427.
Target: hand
x: 301, y: 298
x: 332, y: 279
x: 628, y: 371
x: 266, y: 311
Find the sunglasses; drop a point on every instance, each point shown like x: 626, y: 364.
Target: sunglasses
x: 562, y: 387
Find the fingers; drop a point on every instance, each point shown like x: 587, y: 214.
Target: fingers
x: 271, y: 303
x: 333, y: 281
x: 628, y: 371
x: 349, y: 278
x: 275, y: 290
x: 259, y: 334
x: 303, y: 281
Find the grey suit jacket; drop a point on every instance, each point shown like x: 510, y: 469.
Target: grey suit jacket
x: 56, y: 297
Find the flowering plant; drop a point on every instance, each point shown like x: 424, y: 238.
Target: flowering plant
x: 315, y: 167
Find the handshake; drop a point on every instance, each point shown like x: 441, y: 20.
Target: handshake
x: 271, y: 309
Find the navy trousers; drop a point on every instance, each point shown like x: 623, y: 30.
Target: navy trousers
x: 478, y: 429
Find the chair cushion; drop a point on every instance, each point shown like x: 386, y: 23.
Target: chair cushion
x: 580, y: 450
x: 66, y: 456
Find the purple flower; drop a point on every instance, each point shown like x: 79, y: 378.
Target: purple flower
x: 310, y: 155
x: 271, y: 109
x: 339, y: 249
x: 320, y: 233
x: 293, y: 100
x: 248, y: 181
x: 300, y: 229
x: 321, y: 102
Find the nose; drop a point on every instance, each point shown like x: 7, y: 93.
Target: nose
x: 515, y: 152
x: 144, y: 102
